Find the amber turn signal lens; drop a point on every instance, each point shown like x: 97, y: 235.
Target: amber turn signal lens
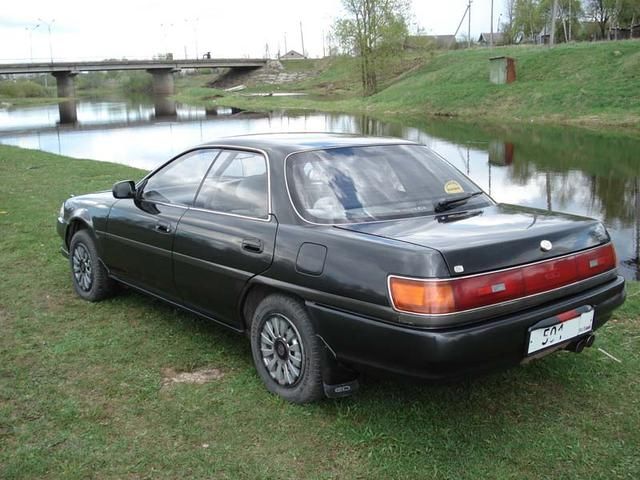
x: 420, y: 296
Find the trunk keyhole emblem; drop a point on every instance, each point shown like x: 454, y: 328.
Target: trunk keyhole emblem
x: 546, y: 245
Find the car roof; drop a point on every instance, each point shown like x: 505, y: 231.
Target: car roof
x: 294, y: 142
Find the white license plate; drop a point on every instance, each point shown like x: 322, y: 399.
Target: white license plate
x: 546, y: 337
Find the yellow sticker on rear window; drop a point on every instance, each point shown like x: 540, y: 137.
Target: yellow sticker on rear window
x: 453, y: 187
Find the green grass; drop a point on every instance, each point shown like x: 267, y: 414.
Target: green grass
x: 81, y: 396
x: 592, y: 84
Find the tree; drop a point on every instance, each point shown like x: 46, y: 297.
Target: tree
x: 627, y: 12
x: 600, y: 11
x: 567, y: 17
x: 528, y: 17
x: 373, y: 30
x: 508, y: 26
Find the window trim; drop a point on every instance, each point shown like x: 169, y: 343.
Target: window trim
x: 220, y: 147
x: 400, y: 142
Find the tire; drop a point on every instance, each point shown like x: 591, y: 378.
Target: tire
x: 286, y: 351
x: 89, y: 277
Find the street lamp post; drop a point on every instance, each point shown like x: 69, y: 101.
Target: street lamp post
x: 165, y: 34
x: 49, y: 24
x: 195, y: 32
x: 30, y: 32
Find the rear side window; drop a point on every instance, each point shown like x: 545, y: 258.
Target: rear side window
x: 178, y: 181
x: 360, y: 184
x: 236, y: 184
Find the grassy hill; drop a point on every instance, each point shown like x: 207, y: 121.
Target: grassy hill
x: 583, y: 83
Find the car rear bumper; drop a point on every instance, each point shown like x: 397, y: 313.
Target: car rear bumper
x: 454, y: 352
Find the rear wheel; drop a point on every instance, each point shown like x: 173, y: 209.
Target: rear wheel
x: 286, y: 351
x: 89, y: 277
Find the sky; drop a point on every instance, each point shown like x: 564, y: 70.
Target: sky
x: 231, y: 28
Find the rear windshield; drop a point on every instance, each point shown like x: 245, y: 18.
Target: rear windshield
x: 361, y: 184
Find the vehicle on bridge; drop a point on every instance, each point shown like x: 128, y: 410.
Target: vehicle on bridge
x: 336, y: 253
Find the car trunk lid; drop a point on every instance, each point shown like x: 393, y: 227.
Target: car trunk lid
x: 492, y: 238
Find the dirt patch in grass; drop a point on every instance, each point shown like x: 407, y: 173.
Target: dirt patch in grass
x: 199, y: 377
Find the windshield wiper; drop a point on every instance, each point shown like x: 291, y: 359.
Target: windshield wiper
x: 447, y: 203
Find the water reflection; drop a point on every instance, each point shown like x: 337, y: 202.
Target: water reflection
x: 565, y: 169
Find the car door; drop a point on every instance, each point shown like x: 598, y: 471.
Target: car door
x: 141, y: 231
x: 228, y: 235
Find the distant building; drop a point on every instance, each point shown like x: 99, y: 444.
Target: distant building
x: 292, y: 55
x: 485, y: 38
x: 543, y: 38
x: 423, y: 42
x: 624, y: 33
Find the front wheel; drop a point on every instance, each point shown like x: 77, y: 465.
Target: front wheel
x: 286, y: 351
x: 89, y: 277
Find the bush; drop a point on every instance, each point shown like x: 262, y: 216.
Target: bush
x: 22, y: 89
x: 138, y: 82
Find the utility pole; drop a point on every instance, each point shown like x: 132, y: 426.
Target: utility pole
x: 461, y: 20
x: 285, y: 43
x: 323, y: 51
x: 302, y: 39
x: 469, y: 25
x: 554, y: 13
x: 491, y: 34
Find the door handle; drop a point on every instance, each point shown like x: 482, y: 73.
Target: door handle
x: 253, y: 245
x: 163, y: 227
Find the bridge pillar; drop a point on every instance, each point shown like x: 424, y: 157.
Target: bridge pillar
x: 68, y: 112
x: 165, y: 107
x: 162, y: 81
x: 65, y: 84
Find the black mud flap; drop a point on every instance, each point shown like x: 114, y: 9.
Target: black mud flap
x: 338, y: 379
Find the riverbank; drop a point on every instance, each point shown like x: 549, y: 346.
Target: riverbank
x: 585, y: 84
x: 595, y: 85
x: 86, y: 389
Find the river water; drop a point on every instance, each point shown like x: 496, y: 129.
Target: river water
x: 560, y: 168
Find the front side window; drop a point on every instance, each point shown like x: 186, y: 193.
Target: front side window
x: 360, y: 184
x: 178, y: 181
x: 236, y: 184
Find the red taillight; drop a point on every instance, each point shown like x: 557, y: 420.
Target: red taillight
x: 596, y: 261
x: 459, y: 294
x: 484, y: 290
x: 549, y: 275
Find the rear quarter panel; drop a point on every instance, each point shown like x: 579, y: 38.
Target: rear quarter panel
x: 355, y: 271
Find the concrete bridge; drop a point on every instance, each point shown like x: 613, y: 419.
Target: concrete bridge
x: 161, y: 70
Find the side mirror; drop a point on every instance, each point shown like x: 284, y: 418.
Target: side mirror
x: 124, y: 189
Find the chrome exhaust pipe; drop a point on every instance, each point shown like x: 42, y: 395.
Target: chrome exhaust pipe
x: 579, y: 345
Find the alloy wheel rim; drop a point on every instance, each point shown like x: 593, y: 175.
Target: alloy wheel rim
x: 281, y: 349
x: 82, y: 269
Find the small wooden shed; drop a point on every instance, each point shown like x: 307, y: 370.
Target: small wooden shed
x: 502, y: 70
